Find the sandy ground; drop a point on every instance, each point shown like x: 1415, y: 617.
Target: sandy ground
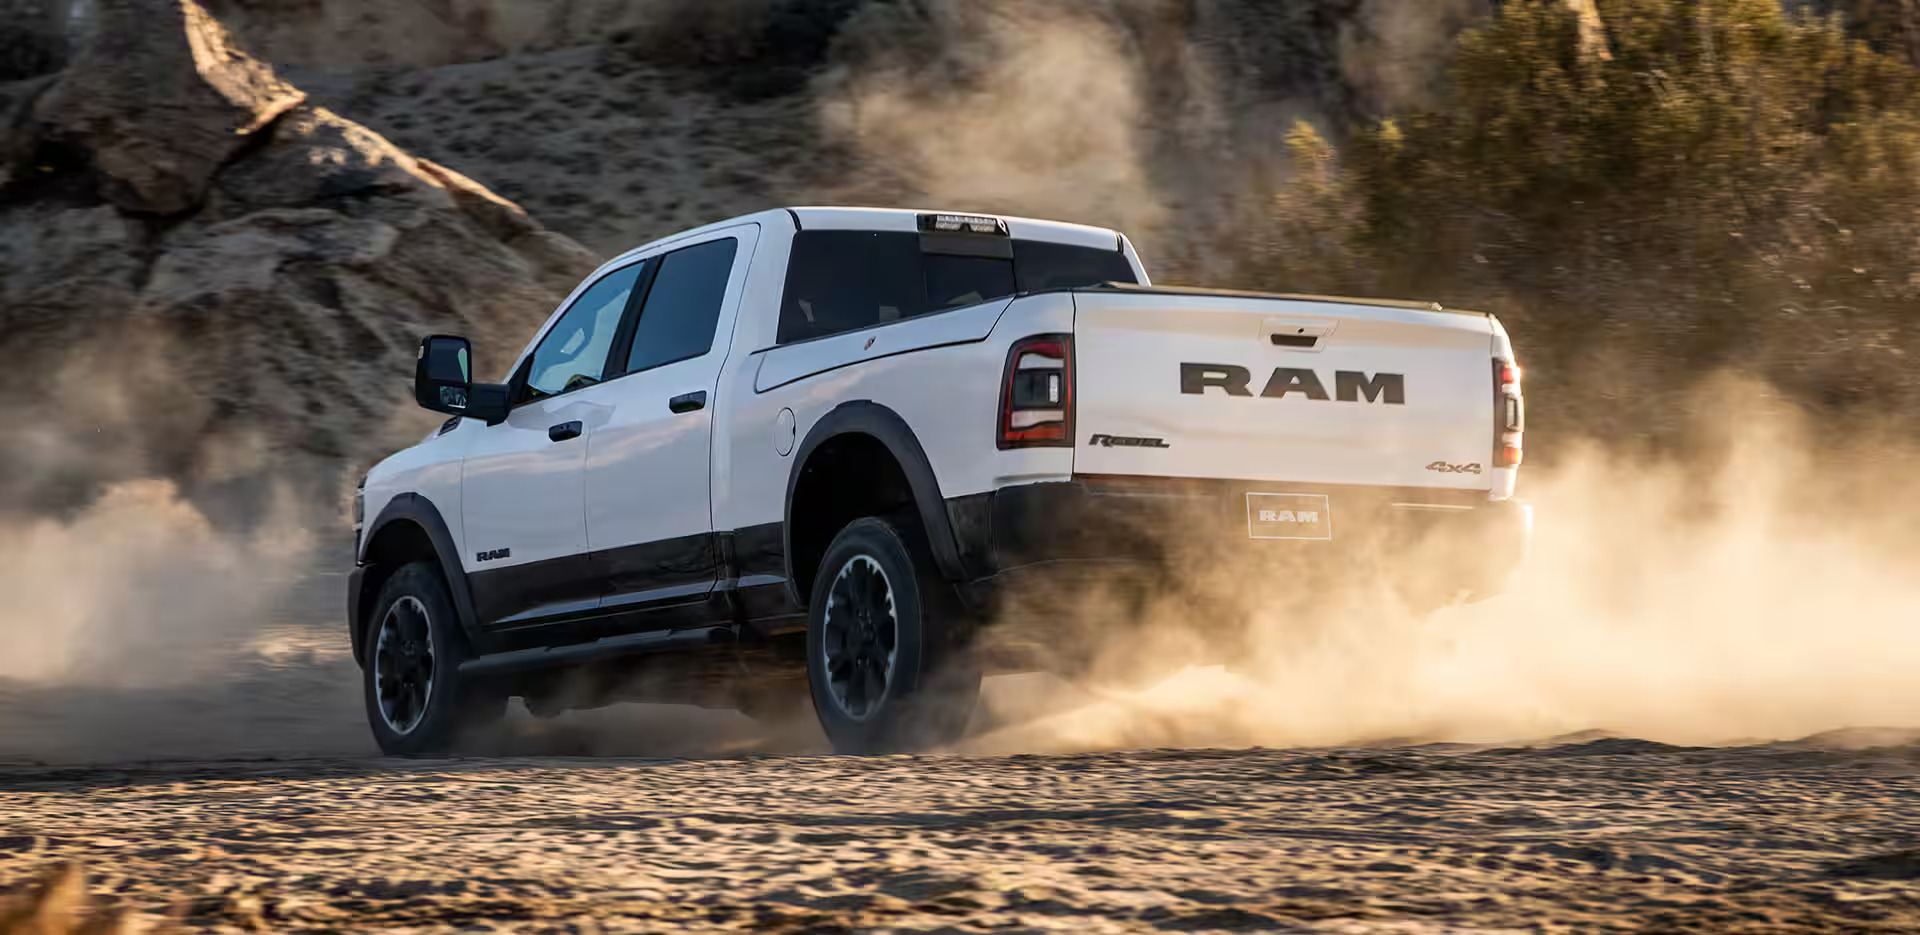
x: 1606, y: 835
x: 253, y: 799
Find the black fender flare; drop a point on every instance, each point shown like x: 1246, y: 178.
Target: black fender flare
x: 865, y: 417
x: 418, y: 510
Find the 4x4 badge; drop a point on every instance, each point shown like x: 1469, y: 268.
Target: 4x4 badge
x: 1445, y: 468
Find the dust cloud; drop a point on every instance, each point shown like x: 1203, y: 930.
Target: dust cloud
x: 1762, y: 588
x: 1395, y: 52
x: 1014, y: 108
x: 138, y: 628
x: 136, y: 589
x: 1142, y: 115
x: 141, y: 629
x: 1759, y: 586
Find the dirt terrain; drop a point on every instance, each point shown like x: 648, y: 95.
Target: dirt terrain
x: 1604, y: 835
x: 251, y: 799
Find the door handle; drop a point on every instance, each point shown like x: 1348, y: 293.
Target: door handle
x: 564, y: 431
x: 688, y: 402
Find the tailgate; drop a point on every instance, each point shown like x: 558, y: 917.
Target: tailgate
x: 1280, y: 389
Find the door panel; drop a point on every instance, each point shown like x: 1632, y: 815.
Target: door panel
x: 648, y: 510
x: 524, y: 510
x: 524, y: 503
x: 647, y: 515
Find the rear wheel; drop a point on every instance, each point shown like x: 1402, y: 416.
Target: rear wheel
x: 887, y: 660
x: 418, y: 704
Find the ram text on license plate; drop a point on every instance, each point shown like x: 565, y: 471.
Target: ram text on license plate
x: 1289, y: 516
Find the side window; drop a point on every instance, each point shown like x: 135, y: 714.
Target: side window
x: 842, y: 280
x: 574, y: 353
x: 960, y: 281
x: 682, y: 308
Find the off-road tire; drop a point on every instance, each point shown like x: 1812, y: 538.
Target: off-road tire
x: 453, y: 705
x: 931, y: 684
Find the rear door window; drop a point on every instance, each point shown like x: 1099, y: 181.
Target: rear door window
x: 839, y: 281
x: 844, y: 280
x: 682, y: 308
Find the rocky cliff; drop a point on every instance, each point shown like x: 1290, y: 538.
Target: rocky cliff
x: 205, y: 275
x: 620, y: 122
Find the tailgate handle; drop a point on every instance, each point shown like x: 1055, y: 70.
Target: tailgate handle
x: 1296, y: 334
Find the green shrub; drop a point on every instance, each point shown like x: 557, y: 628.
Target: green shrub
x: 1720, y: 185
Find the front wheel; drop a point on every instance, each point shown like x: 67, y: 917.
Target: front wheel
x: 887, y: 662
x: 418, y: 704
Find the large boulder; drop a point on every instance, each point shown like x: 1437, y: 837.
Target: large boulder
x: 159, y: 96
x: 216, y: 283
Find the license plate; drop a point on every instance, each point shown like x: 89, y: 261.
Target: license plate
x: 1289, y: 516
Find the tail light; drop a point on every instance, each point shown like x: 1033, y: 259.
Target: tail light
x: 1509, y: 414
x: 1036, y: 398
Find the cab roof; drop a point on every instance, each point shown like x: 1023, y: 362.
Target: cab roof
x: 908, y: 220
x: 895, y: 219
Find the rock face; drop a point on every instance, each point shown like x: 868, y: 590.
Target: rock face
x: 160, y: 99
x: 32, y: 40
x: 204, y: 277
x: 427, y: 32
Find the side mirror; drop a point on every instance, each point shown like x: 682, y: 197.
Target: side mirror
x: 443, y: 381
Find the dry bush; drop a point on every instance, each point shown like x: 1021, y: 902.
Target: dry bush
x: 1721, y: 186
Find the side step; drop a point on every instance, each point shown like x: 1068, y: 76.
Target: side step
x: 612, y: 647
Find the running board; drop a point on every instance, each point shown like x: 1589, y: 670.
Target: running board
x: 600, y: 650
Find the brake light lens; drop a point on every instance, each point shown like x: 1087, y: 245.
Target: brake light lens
x: 1036, y: 398
x: 1509, y: 414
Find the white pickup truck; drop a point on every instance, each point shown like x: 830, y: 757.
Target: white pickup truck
x: 808, y: 451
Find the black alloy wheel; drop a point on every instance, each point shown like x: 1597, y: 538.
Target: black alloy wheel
x: 403, y: 665
x: 418, y: 702
x: 887, y: 657
x: 860, y: 637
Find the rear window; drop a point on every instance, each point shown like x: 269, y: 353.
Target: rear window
x: 1041, y: 265
x: 842, y: 281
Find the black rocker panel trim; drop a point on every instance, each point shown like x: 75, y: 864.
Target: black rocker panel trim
x: 531, y: 591
x: 761, y: 550
x: 677, y: 563
x: 758, y: 575
x: 667, y: 571
x: 652, y: 585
